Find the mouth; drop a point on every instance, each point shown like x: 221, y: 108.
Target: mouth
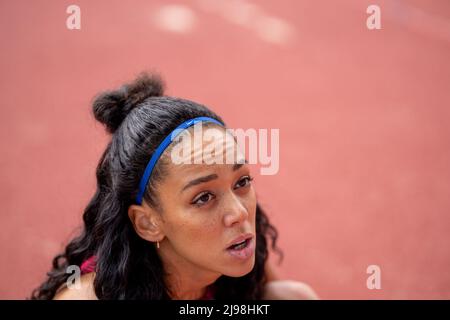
x: 242, y: 247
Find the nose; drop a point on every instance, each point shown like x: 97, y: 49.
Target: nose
x: 235, y: 211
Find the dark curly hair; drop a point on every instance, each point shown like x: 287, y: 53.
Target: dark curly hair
x: 139, y: 117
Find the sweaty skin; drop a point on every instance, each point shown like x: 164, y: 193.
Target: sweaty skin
x: 202, y: 208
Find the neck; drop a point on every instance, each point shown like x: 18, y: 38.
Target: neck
x: 185, y: 280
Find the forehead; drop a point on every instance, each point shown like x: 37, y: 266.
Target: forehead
x: 200, y: 148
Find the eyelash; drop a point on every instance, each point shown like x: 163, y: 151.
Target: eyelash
x: 248, y: 180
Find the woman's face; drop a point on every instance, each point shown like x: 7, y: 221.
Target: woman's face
x: 205, y: 207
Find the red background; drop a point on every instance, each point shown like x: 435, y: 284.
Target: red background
x: 363, y: 115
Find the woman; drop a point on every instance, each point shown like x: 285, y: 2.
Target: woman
x: 156, y: 229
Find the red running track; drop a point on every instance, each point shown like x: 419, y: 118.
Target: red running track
x: 363, y: 114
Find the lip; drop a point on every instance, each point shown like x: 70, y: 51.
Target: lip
x: 245, y: 253
x: 241, y: 238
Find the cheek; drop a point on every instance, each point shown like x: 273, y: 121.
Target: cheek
x: 250, y: 203
x: 198, y: 229
x: 192, y: 230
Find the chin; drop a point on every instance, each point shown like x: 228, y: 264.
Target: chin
x: 240, y: 270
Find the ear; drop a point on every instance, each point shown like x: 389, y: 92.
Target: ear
x: 146, y: 222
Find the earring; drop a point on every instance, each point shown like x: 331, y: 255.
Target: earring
x: 157, y: 244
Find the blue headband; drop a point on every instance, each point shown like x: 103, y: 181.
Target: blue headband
x: 163, y: 145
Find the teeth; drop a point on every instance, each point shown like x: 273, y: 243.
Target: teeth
x: 239, y: 245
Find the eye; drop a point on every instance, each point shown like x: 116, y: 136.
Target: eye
x: 203, y: 198
x: 243, y: 182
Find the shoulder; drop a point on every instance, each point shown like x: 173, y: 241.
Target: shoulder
x: 277, y: 289
x: 288, y: 290
x: 84, y: 291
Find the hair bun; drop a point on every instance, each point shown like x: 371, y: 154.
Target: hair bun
x: 112, y: 107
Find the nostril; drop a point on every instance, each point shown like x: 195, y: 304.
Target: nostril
x: 236, y: 212
x: 237, y: 217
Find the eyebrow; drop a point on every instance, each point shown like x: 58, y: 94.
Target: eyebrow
x: 209, y: 177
